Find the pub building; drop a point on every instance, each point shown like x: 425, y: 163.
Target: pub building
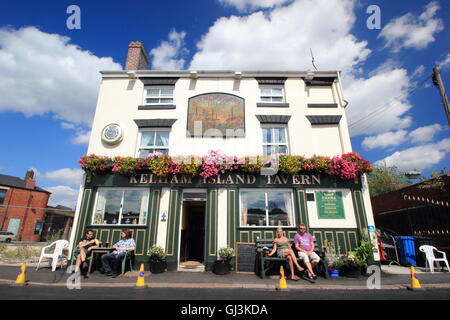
x: 145, y: 113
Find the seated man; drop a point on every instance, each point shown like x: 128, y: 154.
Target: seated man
x: 304, y: 243
x: 85, y: 246
x: 111, y: 261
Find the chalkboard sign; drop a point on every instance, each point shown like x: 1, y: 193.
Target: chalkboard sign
x: 245, y: 257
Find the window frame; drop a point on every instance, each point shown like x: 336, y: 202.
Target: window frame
x: 4, y: 198
x: 271, y: 96
x: 139, y: 140
x: 266, y: 191
x: 121, y: 207
x: 146, y: 88
x: 274, y: 126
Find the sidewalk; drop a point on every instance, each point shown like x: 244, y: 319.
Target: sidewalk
x: 392, y: 281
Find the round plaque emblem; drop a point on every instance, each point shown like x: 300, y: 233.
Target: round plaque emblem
x: 112, y: 134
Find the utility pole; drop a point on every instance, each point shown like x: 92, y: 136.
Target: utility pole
x: 437, y: 81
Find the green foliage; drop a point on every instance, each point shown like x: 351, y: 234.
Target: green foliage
x: 156, y: 253
x: 225, y: 253
x: 191, y: 167
x: 290, y: 164
x: 385, y: 179
x: 253, y: 165
x: 364, y: 251
x: 436, y: 181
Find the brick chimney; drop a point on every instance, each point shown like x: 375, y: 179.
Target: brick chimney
x: 29, y: 180
x: 137, y: 58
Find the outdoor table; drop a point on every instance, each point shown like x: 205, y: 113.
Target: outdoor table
x: 98, y: 250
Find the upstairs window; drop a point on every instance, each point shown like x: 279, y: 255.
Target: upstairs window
x: 159, y: 95
x: 2, y: 196
x: 275, y: 140
x: 153, y: 140
x: 272, y: 94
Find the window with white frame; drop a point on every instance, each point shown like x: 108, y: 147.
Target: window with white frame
x: 272, y: 94
x: 121, y: 206
x: 159, y: 95
x: 275, y: 140
x: 266, y: 208
x: 153, y: 140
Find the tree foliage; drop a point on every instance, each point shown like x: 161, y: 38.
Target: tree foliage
x: 385, y: 179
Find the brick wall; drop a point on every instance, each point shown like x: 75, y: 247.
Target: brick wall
x: 137, y: 58
x: 28, y: 217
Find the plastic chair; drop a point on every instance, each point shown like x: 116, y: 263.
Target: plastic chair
x: 129, y: 257
x: 431, y: 259
x: 57, y: 253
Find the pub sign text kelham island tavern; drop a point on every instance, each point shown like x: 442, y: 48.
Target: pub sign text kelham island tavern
x: 194, y: 161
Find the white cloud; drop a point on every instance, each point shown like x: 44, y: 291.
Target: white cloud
x: 168, y: 55
x: 444, y: 64
x: 384, y: 140
x: 379, y: 103
x: 420, y: 157
x: 63, y: 195
x: 249, y: 5
x: 81, y: 137
x: 411, y: 31
x: 425, y: 134
x: 71, y: 177
x: 42, y: 73
x: 282, y: 38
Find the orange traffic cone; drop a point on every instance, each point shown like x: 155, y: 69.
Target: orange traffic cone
x: 282, y: 285
x: 140, y: 283
x: 415, y: 284
x: 21, y: 278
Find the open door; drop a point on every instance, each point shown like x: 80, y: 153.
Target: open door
x: 193, y: 231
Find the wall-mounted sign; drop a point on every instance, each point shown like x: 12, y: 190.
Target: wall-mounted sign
x: 229, y: 179
x: 330, y: 205
x: 112, y: 134
x: 214, y: 114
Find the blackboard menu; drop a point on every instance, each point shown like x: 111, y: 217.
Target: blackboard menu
x: 245, y: 257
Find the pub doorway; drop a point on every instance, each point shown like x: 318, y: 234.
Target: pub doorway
x: 192, y: 244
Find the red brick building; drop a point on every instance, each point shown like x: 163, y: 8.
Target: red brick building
x: 22, y: 206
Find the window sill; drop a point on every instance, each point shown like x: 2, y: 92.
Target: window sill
x: 322, y: 105
x: 272, y: 105
x: 156, y: 106
x: 118, y: 225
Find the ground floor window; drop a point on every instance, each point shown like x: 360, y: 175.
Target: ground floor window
x: 266, y: 208
x: 121, y: 206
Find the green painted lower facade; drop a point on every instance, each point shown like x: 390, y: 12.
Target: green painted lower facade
x: 147, y: 235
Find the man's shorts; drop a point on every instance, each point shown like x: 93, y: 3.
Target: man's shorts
x: 77, y: 252
x: 312, y: 258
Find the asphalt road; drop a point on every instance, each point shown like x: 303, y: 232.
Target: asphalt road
x: 91, y: 293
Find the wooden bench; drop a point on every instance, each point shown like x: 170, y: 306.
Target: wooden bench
x: 265, y: 264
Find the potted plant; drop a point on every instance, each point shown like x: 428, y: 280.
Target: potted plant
x: 223, y: 264
x: 157, y: 259
x: 350, y: 265
x: 364, y: 253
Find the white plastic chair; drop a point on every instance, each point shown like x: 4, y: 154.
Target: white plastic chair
x: 57, y: 253
x: 431, y: 259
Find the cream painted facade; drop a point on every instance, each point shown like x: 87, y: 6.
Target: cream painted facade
x: 317, y: 126
x: 120, y: 96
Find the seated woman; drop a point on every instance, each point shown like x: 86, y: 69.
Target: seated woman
x: 283, y: 249
x: 85, y: 246
x: 111, y: 261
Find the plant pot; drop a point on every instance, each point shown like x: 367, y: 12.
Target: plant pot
x: 221, y: 267
x: 157, y: 266
x: 333, y: 273
x: 351, y: 271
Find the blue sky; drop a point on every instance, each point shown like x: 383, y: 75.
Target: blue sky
x: 49, y: 74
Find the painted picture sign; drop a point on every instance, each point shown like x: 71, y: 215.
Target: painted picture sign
x: 214, y: 114
x: 330, y: 205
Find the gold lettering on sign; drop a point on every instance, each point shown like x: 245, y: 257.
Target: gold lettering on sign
x: 305, y: 179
